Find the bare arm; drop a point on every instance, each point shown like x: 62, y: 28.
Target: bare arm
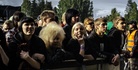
x: 25, y: 55
x: 4, y: 57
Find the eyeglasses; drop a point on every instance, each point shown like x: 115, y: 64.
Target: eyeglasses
x: 123, y: 23
x: 104, y: 24
x: 91, y: 23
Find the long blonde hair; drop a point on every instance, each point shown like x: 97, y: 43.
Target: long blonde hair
x: 50, y: 31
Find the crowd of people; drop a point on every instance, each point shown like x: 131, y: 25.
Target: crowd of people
x: 29, y: 44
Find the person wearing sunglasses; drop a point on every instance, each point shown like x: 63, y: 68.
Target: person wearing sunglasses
x: 117, y: 32
x: 102, y: 44
x: 89, y: 25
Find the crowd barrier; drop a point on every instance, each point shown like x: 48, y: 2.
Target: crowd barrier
x: 74, y: 65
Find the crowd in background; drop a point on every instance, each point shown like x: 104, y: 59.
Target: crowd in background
x: 37, y: 44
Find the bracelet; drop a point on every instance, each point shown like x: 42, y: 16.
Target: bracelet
x: 82, y: 46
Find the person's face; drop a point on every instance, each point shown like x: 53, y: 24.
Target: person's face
x: 56, y: 42
x: 131, y: 26
x: 6, y: 28
x: 102, y: 27
x: 121, y: 25
x: 89, y: 27
x: 75, y: 19
x: 28, y: 28
x: 78, y: 31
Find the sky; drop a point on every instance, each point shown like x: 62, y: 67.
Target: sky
x: 101, y: 7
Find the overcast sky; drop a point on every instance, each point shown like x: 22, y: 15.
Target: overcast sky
x: 101, y: 7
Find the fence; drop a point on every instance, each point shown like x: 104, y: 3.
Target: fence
x: 74, y: 65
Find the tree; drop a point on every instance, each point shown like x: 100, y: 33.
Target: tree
x: 34, y: 11
x: 48, y: 6
x: 25, y: 7
x: 34, y: 8
x: 131, y: 11
x: 114, y: 13
x: 85, y: 7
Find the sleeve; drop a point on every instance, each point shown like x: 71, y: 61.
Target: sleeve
x: 13, y: 61
x: 135, y: 42
x: 73, y: 47
x: 3, y: 41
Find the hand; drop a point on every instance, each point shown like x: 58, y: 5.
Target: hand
x: 131, y: 53
x: 41, y: 57
x: 89, y: 57
x: 81, y: 41
x: 115, y: 59
x: 24, y: 55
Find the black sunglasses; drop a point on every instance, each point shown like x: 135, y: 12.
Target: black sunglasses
x: 91, y: 23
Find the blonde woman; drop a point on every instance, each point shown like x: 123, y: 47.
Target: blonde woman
x: 53, y: 35
x: 89, y: 25
x: 78, y: 45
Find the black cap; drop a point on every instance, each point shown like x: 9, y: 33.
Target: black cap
x: 132, y: 22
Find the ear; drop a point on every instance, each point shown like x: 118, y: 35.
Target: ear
x: 44, y: 19
x: 96, y: 27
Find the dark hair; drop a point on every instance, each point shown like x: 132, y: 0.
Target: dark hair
x: 133, y: 22
x: 17, y: 16
x: 69, y: 14
x: 25, y: 19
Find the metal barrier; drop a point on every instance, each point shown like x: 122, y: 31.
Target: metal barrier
x: 74, y: 65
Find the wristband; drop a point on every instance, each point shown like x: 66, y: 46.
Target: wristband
x: 82, y: 46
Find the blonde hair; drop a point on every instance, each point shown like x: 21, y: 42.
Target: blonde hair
x: 88, y: 20
x: 49, y: 33
x: 98, y: 21
x: 9, y: 23
x: 63, y: 18
x: 73, y: 28
x: 117, y: 19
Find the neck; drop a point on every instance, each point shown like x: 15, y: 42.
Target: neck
x: 100, y: 34
x: 27, y: 38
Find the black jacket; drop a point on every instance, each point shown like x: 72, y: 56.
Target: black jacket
x: 35, y: 45
x: 67, y: 28
x: 118, y: 38
x: 102, y: 46
x: 73, y: 47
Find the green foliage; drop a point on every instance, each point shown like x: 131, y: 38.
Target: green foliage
x: 35, y: 7
x: 25, y: 7
x: 131, y: 11
x: 85, y: 7
x: 114, y: 13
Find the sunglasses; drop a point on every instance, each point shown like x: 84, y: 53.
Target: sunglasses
x: 91, y: 23
x: 123, y: 23
x: 103, y: 24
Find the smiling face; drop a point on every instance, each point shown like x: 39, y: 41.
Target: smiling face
x: 28, y: 28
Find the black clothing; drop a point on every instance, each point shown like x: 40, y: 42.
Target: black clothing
x: 118, y: 38
x: 73, y: 47
x: 34, y: 45
x: 102, y: 46
x: 55, y: 56
x: 37, y: 30
x: 67, y: 28
x: 5, y: 48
